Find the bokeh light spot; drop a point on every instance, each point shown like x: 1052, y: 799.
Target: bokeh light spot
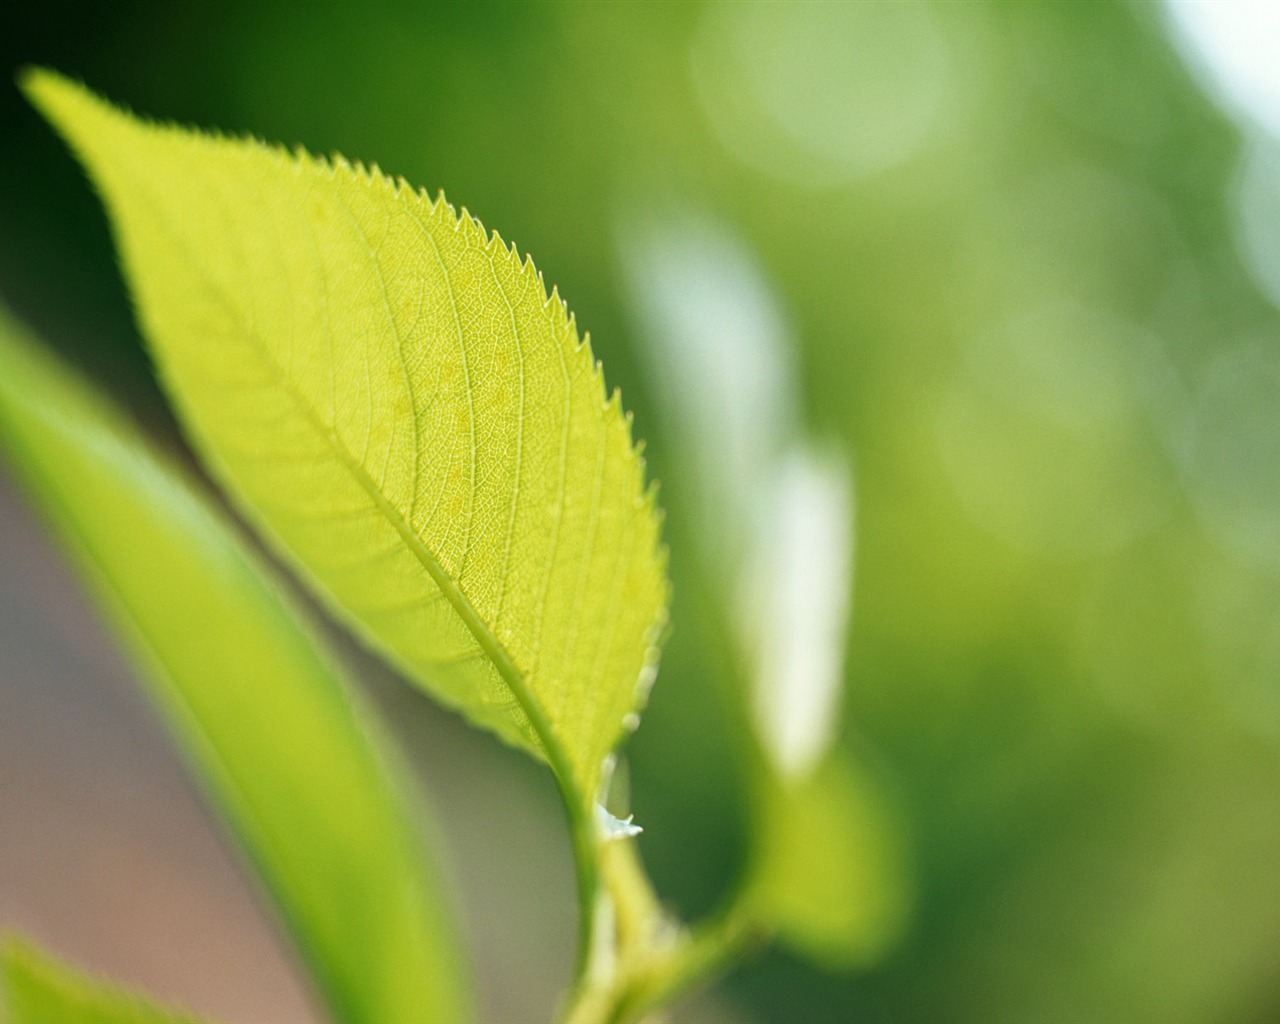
x: 823, y: 94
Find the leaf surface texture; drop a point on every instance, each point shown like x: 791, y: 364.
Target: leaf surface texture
x: 390, y: 393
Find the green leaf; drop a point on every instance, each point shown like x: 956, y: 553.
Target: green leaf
x: 40, y: 990
x: 829, y: 871
x: 392, y: 396
x: 260, y: 712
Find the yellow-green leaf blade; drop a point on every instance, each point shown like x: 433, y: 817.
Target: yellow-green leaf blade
x: 260, y: 712
x: 395, y: 399
x: 40, y: 990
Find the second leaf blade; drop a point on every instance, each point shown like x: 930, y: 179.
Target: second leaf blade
x: 262, y: 716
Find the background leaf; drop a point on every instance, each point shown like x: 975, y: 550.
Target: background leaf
x: 261, y: 713
x: 393, y: 396
x: 829, y: 871
x: 40, y: 990
x: 770, y: 516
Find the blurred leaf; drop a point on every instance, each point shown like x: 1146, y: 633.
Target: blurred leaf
x: 40, y: 990
x: 778, y: 512
x: 260, y: 712
x: 396, y: 401
x: 830, y: 873
x: 794, y: 608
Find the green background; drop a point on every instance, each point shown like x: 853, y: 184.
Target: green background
x: 1005, y: 238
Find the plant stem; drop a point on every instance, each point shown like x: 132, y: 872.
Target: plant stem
x: 651, y: 979
x: 582, y: 835
x: 712, y: 950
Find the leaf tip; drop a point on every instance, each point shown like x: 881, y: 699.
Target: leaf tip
x: 27, y: 78
x: 55, y: 95
x: 37, y: 81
